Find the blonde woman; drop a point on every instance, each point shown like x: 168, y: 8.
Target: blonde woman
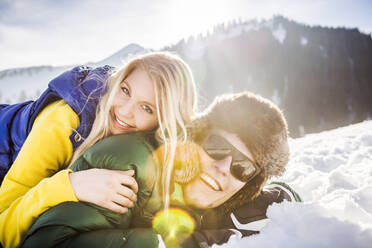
x: 153, y: 92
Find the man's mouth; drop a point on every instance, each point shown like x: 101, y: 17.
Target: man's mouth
x: 122, y: 123
x: 210, y: 181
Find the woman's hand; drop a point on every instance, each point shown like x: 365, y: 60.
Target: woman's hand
x: 112, y: 189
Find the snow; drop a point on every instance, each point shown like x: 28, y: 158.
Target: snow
x: 21, y: 84
x: 196, y: 48
x: 239, y: 29
x: 304, y: 41
x: 279, y: 33
x: 332, y: 172
x: 122, y: 55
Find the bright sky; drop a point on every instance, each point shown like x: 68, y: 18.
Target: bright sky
x: 52, y: 32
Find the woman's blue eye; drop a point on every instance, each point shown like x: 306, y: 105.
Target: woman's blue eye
x: 125, y: 90
x: 147, y: 109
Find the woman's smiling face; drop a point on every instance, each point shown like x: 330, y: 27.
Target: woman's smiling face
x: 134, y: 106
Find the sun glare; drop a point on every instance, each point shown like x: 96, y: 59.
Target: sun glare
x: 175, y: 225
x: 194, y: 17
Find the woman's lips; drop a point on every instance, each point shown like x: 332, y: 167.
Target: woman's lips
x: 123, y: 124
x: 210, y: 181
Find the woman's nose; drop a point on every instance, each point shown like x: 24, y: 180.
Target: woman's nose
x: 127, y: 109
x: 223, y: 165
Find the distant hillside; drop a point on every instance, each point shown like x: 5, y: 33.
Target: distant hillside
x: 21, y: 84
x: 321, y: 77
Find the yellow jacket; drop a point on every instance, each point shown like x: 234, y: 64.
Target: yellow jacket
x: 38, y: 179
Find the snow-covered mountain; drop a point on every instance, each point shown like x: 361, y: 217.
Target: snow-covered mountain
x: 121, y: 56
x: 21, y: 84
x: 332, y: 172
x: 321, y: 77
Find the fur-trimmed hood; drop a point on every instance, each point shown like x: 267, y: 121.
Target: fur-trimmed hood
x: 259, y: 124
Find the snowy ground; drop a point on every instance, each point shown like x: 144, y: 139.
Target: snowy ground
x: 332, y: 172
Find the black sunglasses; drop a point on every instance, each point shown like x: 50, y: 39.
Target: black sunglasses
x: 241, y: 167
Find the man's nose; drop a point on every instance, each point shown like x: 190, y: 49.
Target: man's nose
x: 223, y: 165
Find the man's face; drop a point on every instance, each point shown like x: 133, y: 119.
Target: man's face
x: 215, y: 184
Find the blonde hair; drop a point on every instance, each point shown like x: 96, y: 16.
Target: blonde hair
x: 175, y: 97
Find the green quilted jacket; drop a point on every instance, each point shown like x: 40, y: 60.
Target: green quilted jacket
x: 81, y: 224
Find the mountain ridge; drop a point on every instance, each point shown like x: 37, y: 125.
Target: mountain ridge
x: 320, y: 76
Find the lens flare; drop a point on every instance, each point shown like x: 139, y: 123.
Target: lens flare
x: 174, y: 225
x: 186, y: 162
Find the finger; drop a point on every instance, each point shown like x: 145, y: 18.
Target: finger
x: 127, y: 172
x: 130, y: 182
x: 127, y: 192
x: 116, y: 208
x: 123, y: 201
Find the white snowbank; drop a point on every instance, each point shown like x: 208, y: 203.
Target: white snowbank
x: 332, y: 171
